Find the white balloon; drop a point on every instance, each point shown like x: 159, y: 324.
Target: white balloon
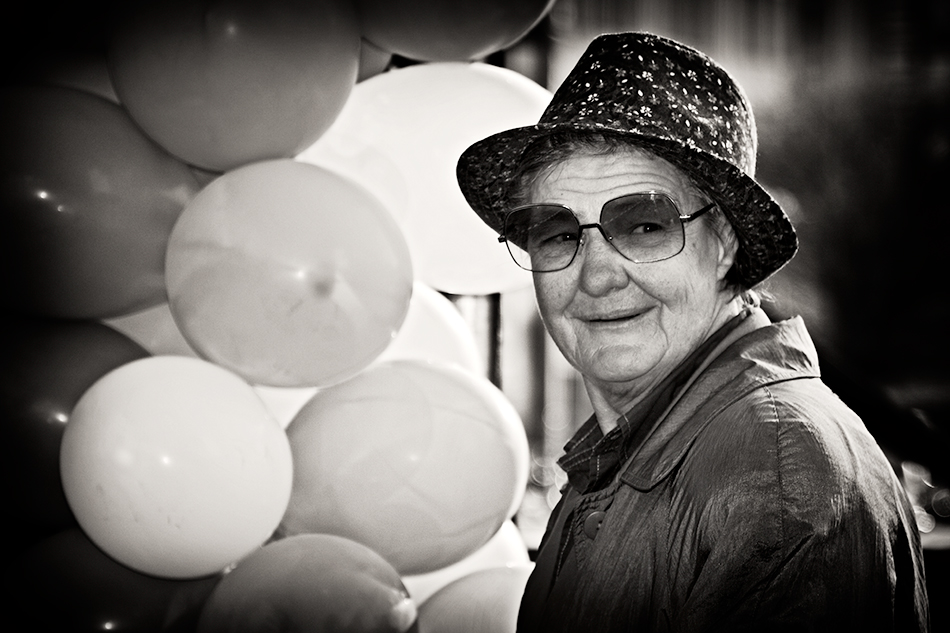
x: 505, y: 549
x: 421, y: 118
x: 394, y: 457
x: 435, y: 330
x: 485, y: 601
x: 284, y: 402
x: 288, y: 274
x: 174, y: 467
x: 350, y: 155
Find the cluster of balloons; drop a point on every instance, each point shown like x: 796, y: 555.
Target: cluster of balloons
x: 234, y: 394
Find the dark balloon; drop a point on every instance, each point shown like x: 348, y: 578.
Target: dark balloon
x: 223, y: 84
x: 45, y: 366
x: 311, y: 582
x: 448, y: 30
x: 66, y: 583
x: 82, y: 72
x: 373, y: 61
x: 87, y: 202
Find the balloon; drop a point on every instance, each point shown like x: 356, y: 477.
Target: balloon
x: 311, y: 582
x: 154, y: 329
x: 45, y: 367
x: 345, y: 153
x: 421, y: 118
x: 449, y: 30
x: 288, y: 274
x: 485, y: 601
x: 420, y: 462
x: 223, y: 84
x: 435, y: 330
x: 373, y: 60
x: 66, y: 583
x: 203, y: 176
x: 173, y: 466
x: 505, y: 549
x: 89, y: 203
x: 284, y: 402
x: 88, y: 72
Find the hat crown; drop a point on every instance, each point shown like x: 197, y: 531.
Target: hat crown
x: 656, y: 88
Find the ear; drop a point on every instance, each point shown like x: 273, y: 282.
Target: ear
x: 728, y: 245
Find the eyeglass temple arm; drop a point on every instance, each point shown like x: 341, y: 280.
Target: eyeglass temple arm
x: 695, y: 214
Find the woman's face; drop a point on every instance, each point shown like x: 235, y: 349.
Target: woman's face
x: 624, y: 326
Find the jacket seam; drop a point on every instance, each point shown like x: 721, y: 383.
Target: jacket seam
x: 778, y: 461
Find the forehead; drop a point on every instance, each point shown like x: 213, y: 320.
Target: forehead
x: 597, y: 176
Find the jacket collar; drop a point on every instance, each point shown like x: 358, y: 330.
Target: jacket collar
x: 757, y: 353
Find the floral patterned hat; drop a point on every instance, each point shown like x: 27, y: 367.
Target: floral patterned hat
x: 671, y: 100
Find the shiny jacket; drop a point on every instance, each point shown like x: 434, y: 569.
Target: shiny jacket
x: 758, y: 502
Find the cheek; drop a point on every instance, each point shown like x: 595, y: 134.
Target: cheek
x: 689, y: 307
x: 688, y: 289
x: 553, y: 294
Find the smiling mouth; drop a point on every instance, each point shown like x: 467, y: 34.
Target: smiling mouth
x: 620, y: 318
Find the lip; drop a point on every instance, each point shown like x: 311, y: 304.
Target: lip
x: 615, y: 317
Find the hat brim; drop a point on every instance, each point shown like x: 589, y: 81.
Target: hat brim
x: 766, y: 238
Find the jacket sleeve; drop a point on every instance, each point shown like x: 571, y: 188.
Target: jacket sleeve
x: 800, y: 521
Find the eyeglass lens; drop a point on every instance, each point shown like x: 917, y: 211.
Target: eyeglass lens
x: 643, y: 227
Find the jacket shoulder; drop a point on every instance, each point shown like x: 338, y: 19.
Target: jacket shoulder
x: 795, y: 450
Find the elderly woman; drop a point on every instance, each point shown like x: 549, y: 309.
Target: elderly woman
x: 719, y: 485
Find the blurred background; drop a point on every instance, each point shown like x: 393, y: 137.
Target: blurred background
x: 851, y: 99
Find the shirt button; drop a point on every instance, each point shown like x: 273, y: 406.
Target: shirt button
x: 592, y: 523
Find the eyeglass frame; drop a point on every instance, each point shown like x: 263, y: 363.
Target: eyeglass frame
x: 683, y: 219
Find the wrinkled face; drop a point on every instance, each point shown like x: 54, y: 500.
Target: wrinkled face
x: 624, y: 325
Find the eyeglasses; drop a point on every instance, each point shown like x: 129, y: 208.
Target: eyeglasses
x: 643, y: 227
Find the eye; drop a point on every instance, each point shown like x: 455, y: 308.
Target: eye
x: 630, y: 225
x: 645, y: 227
x: 560, y: 238
x: 554, y: 231
x: 552, y: 241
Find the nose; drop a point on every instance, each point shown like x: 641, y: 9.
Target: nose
x: 602, y: 267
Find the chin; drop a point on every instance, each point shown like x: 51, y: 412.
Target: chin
x: 621, y: 364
